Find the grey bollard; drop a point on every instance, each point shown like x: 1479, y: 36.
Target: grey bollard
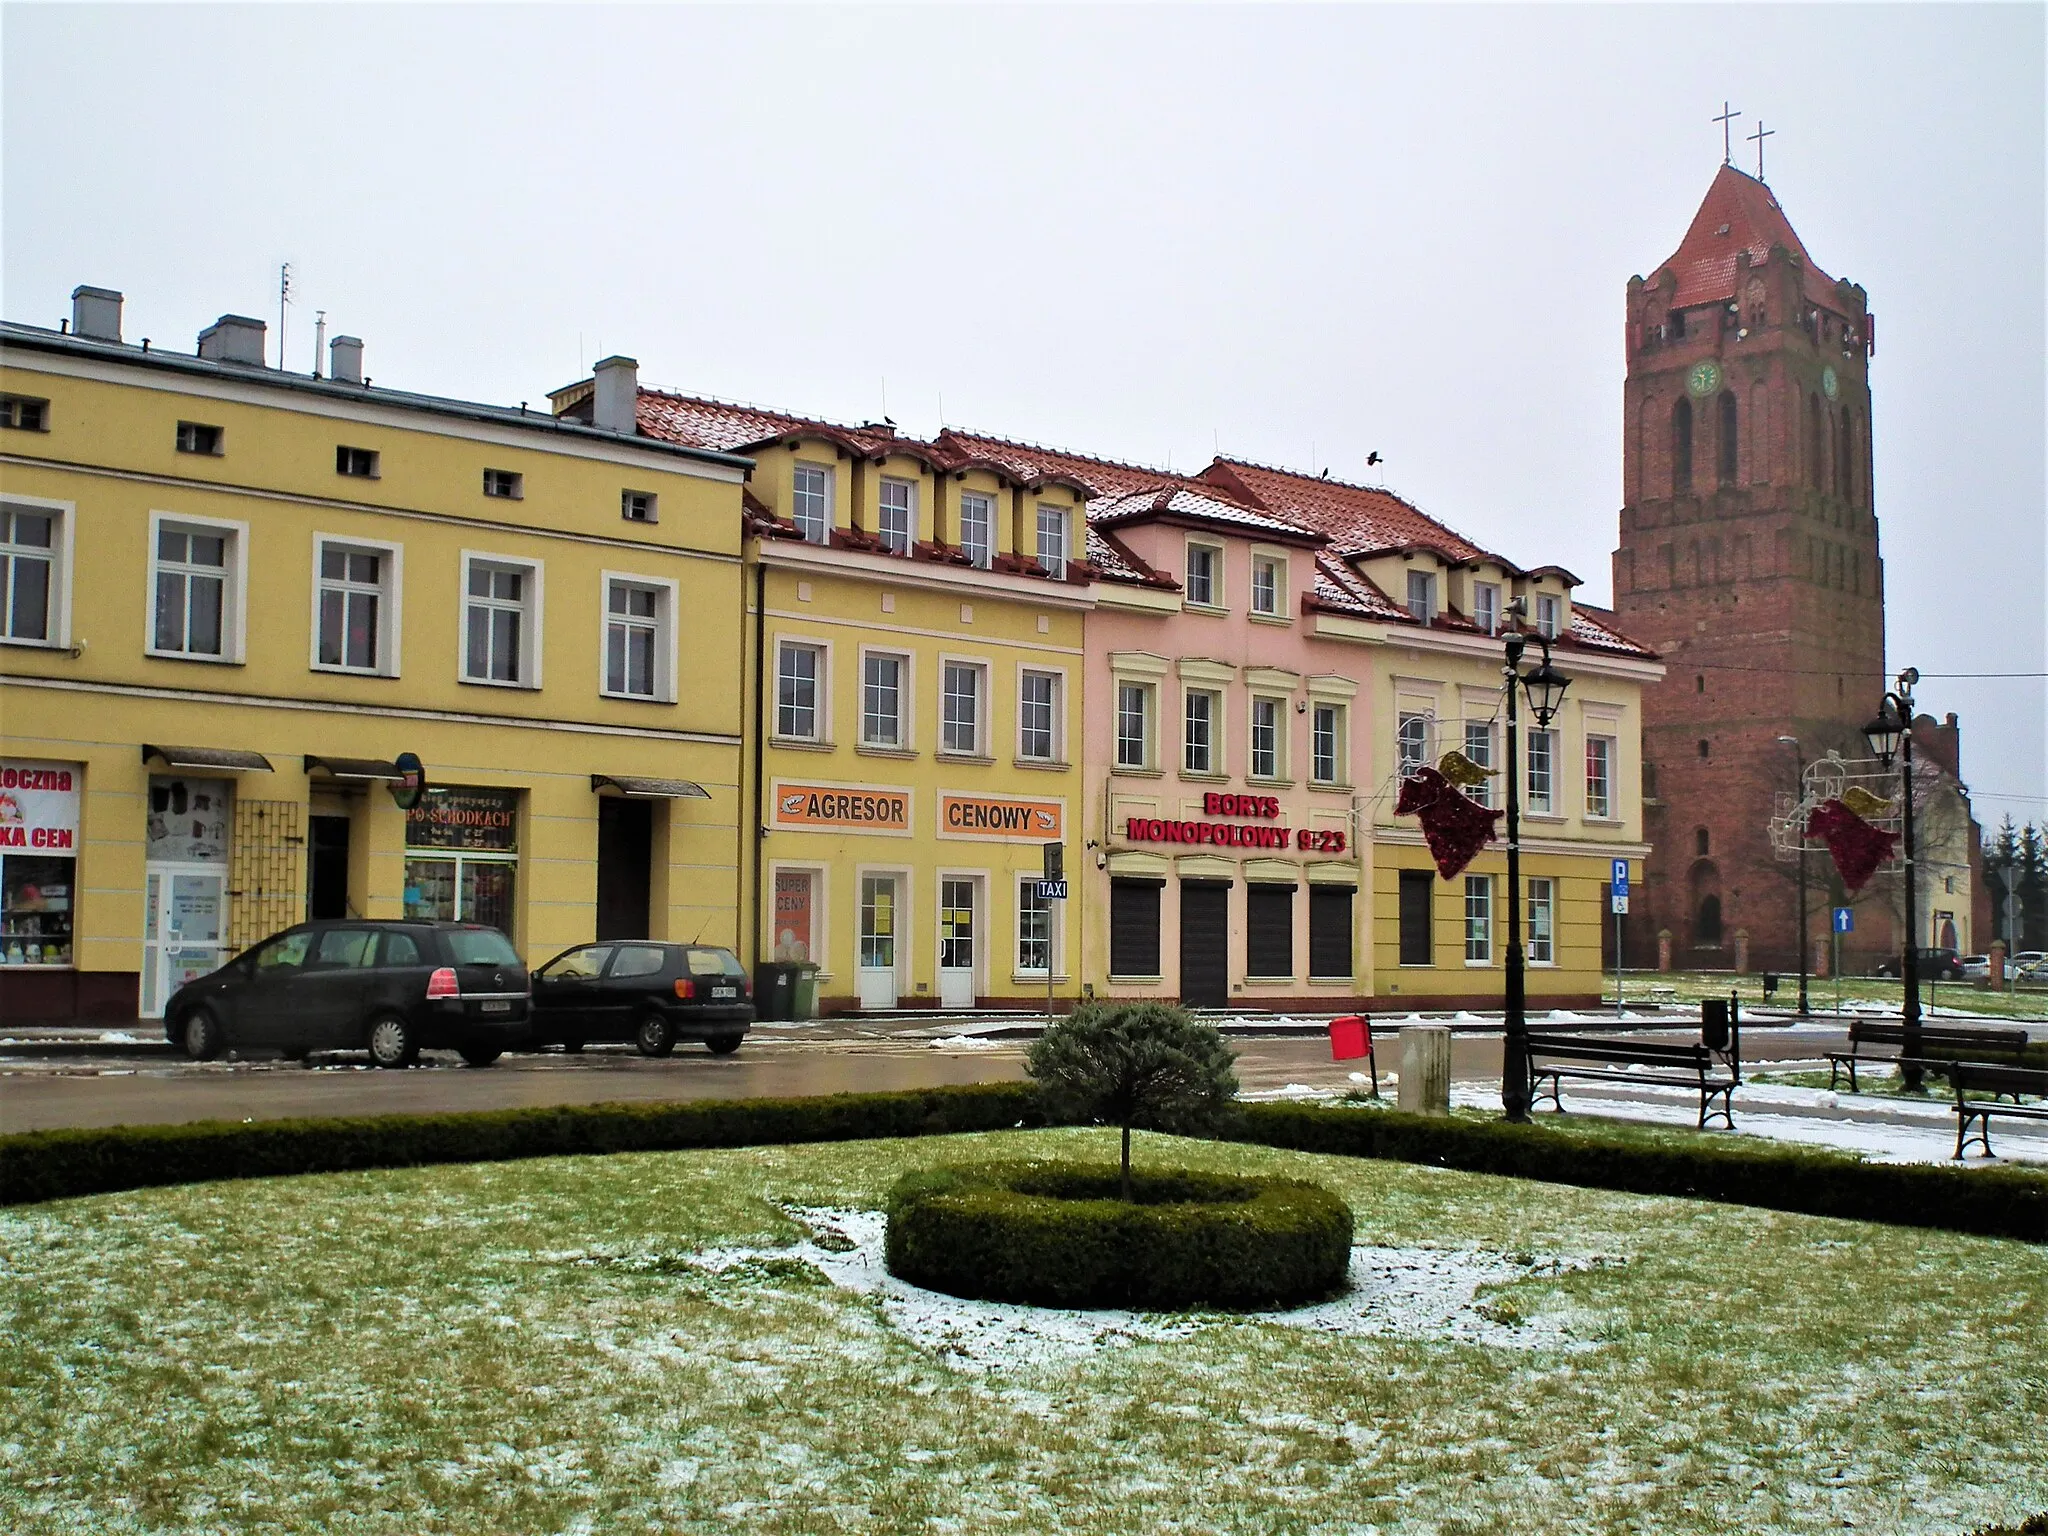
x: 1426, y: 1070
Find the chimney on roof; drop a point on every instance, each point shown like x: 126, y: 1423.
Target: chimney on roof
x: 233, y: 339
x: 345, y: 359
x: 617, y: 404
x: 96, y: 313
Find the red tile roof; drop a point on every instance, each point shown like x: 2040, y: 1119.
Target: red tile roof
x: 1739, y: 214
x: 1357, y: 519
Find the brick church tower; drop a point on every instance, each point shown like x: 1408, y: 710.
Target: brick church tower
x: 1749, y: 559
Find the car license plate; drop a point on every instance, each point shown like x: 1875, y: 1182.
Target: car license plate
x: 723, y: 994
x: 498, y: 1007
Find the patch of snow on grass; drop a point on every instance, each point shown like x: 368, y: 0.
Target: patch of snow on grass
x: 1413, y: 1293
x: 967, y: 1043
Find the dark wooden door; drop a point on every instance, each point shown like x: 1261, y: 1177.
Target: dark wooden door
x: 327, y: 867
x: 625, y: 866
x: 1204, y: 944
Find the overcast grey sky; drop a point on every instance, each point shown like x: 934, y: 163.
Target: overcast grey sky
x: 1299, y: 234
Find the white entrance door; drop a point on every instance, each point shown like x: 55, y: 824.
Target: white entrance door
x: 957, y: 903
x: 183, y: 915
x: 878, y: 931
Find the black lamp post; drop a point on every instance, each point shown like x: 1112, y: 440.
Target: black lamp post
x: 1799, y: 763
x: 1891, y: 735
x: 1546, y: 686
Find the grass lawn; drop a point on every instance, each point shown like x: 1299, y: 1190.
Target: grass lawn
x: 532, y: 1347
x: 2029, y: 1002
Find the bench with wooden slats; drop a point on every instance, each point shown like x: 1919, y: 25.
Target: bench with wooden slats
x: 1972, y: 1078
x: 1973, y: 1042
x: 1694, y: 1065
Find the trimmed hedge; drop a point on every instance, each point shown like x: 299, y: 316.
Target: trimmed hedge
x: 1055, y: 1235
x: 55, y: 1165
x: 2033, y: 1525
x: 1988, y: 1202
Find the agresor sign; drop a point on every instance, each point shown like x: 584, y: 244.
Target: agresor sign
x: 873, y: 808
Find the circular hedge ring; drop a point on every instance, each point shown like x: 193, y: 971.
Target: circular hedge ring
x: 1057, y: 1235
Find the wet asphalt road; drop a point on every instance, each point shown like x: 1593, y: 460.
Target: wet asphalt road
x: 44, y: 1093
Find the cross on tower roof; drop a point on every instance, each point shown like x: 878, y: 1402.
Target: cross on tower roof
x: 1727, y: 117
x: 1757, y: 139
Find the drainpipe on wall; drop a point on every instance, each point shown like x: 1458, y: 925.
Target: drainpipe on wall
x: 759, y: 826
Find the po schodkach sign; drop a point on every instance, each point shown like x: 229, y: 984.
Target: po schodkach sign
x: 480, y: 820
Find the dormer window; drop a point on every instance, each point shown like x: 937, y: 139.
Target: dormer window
x: 1422, y: 596
x: 811, y: 503
x: 977, y: 529
x: 1549, y: 616
x: 1486, y: 606
x: 899, y: 516
x: 1268, y: 578
x: 1052, y: 541
x: 1205, y: 575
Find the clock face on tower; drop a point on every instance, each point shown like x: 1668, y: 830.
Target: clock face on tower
x: 1830, y: 385
x: 1703, y: 379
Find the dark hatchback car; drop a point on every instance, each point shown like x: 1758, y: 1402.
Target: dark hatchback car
x: 1932, y: 964
x: 386, y: 987
x: 650, y: 993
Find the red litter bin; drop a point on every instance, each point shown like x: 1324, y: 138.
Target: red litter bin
x: 1351, y: 1038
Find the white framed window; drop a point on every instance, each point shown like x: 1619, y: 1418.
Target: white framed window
x: 506, y: 484
x: 1479, y: 919
x: 640, y: 506
x: 23, y: 413
x: 34, y: 567
x: 1134, y: 725
x: 978, y: 528
x: 1542, y: 797
x: 810, y: 503
x: 1205, y: 575
x: 199, y: 437
x: 1269, y: 585
x: 1038, y: 715
x: 799, y: 680
x: 899, y: 516
x: 883, y: 675
x: 362, y: 463
x: 1052, y: 540
x: 1549, y: 615
x: 1411, y: 741
x: 1479, y: 747
x: 1422, y: 596
x: 1542, y: 921
x: 639, y: 637
x: 196, y: 577
x: 501, y: 608
x: 1486, y: 606
x: 1203, y: 710
x: 963, y: 694
x: 1266, y: 756
x: 1600, y: 777
x: 356, y: 604
x: 1326, y: 744
x: 1035, y: 947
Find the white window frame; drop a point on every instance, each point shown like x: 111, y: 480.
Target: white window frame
x: 533, y: 604
x: 1215, y: 600
x: 1542, y: 920
x: 1545, y: 802
x: 666, y: 600
x: 1422, y: 759
x: 823, y: 534
x: 234, y: 624
x: 1276, y: 771
x: 58, y: 627
x: 1478, y: 920
x: 1212, y: 749
x: 979, y: 670
x: 1479, y: 733
x: 821, y: 690
x: 1276, y: 563
x: 511, y: 484
x: 1025, y: 884
x: 900, y: 940
x: 984, y: 556
x: 1549, y: 615
x: 1612, y: 743
x: 651, y: 500
x: 906, y: 697
x: 390, y: 599
x: 1148, y: 724
x: 1340, y: 722
x: 1423, y: 583
x: 1058, y: 678
x: 1054, y: 519
x: 883, y: 509
x: 1486, y: 616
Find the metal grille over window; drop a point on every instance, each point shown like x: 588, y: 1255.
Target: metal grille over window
x: 1269, y: 931
x: 811, y: 504
x: 1134, y: 927
x: 1329, y: 932
x: 898, y: 516
x: 632, y: 624
x: 977, y: 528
x: 191, y: 591
x: 497, y: 615
x: 351, y: 591
x: 28, y: 559
x: 264, y: 858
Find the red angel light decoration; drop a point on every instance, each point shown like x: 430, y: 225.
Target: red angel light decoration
x: 1854, y: 844
x: 1454, y: 825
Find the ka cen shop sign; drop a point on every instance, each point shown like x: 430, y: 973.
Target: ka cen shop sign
x: 876, y: 808
x: 1003, y: 818
x: 481, y: 820
x: 1228, y: 832
x: 39, y: 805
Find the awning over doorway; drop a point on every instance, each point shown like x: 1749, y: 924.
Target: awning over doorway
x: 355, y: 770
x: 216, y: 758
x: 647, y: 789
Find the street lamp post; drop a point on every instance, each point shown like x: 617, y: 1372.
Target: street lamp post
x: 1891, y: 735
x: 1799, y: 781
x: 1546, y: 686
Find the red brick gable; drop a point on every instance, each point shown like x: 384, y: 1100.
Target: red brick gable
x: 1746, y: 210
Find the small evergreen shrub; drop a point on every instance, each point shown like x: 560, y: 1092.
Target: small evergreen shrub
x: 1056, y: 1234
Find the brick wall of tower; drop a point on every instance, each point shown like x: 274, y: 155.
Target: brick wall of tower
x: 1758, y: 579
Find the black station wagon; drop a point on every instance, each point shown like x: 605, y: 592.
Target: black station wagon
x: 650, y: 993
x: 386, y: 987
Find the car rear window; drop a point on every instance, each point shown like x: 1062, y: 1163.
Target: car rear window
x: 715, y: 962
x: 638, y: 960
x: 481, y: 946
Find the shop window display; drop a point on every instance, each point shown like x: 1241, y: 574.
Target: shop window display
x: 38, y: 830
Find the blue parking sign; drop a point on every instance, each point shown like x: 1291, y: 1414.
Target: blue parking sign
x: 1621, y: 877
x: 1845, y: 919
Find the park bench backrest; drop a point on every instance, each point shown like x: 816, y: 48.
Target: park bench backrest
x: 1999, y: 1079
x: 1946, y: 1035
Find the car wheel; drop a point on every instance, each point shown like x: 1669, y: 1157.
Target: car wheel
x: 200, y: 1034
x: 654, y: 1035
x: 393, y: 1042
x: 482, y: 1056
x: 723, y: 1045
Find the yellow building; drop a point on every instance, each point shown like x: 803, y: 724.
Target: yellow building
x: 915, y: 677
x: 235, y: 596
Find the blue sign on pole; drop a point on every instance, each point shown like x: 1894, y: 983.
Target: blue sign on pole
x: 1845, y: 919
x: 1621, y: 877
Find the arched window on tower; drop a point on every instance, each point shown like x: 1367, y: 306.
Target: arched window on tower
x: 1706, y: 927
x: 1816, y: 461
x: 1728, y: 445
x: 1759, y: 434
x: 1700, y: 841
x: 1845, y: 457
x: 1681, y: 448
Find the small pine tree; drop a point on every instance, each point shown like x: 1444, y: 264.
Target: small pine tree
x: 1134, y: 1064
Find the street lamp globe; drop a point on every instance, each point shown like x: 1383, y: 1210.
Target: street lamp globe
x: 1884, y: 732
x: 1545, y: 687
